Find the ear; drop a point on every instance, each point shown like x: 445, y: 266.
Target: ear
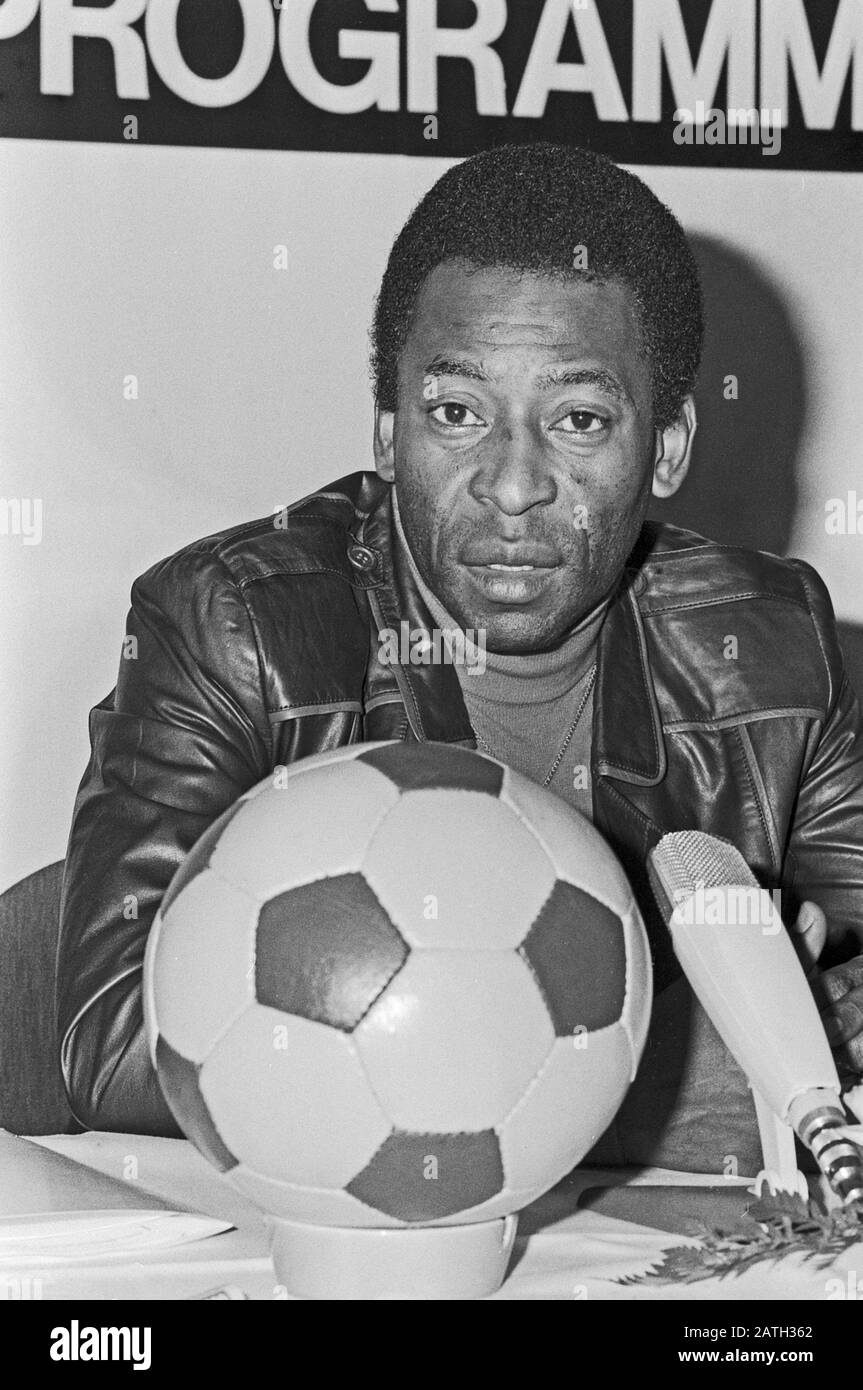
x: 383, y: 444
x: 673, y: 451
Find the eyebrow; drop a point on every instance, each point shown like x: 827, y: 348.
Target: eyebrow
x: 583, y: 376
x: 456, y: 366
x: 565, y: 376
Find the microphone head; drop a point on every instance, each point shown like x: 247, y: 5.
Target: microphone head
x: 686, y: 860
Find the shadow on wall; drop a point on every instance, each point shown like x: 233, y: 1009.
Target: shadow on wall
x: 743, y: 485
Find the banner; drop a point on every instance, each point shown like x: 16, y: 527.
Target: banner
x: 731, y: 83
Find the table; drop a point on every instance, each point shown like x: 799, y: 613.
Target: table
x: 561, y: 1253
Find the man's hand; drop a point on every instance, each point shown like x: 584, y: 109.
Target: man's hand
x: 838, y: 991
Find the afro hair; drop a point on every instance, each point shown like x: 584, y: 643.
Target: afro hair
x: 527, y: 207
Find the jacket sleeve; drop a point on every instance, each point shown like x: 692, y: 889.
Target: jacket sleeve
x: 182, y: 736
x: 825, y: 851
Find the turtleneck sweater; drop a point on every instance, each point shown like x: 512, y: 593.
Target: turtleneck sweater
x: 522, y: 706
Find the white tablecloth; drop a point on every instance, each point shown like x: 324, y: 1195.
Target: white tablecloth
x: 560, y: 1253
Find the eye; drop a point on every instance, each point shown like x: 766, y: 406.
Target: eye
x: 582, y: 422
x: 455, y: 415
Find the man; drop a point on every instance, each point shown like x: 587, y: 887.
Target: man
x: 536, y: 342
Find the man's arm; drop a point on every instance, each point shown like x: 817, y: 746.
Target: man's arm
x: 825, y: 851
x: 182, y: 736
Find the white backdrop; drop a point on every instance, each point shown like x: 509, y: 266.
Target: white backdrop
x: 253, y: 387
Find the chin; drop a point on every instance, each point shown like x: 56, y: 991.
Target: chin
x: 520, y: 638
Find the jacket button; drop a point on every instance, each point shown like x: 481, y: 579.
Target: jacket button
x: 361, y: 557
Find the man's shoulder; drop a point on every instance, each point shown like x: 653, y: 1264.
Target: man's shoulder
x: 682, y: 568
x: 310, y: 536
x: 731, y: 623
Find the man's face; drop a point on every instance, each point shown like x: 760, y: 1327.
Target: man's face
x: 522, y: 447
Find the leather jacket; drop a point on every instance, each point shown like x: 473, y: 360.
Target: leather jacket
x: 721, y: 704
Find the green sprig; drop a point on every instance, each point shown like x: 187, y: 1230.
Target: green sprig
x: 773, y: 1226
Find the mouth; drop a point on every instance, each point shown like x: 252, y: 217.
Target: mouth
x: 511, y: 555
x: 511, y: 569
x: 510, y: 584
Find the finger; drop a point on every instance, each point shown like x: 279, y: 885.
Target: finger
x: 810, y: 934
x: 843, y: 1022
x: 843, y: 979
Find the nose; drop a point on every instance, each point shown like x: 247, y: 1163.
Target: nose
x: 513, y: 474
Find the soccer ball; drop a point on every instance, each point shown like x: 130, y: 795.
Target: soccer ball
x: 395, y: 985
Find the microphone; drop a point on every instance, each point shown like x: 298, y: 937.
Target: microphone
x: 741, y: 963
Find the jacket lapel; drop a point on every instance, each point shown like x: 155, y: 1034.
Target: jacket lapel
x: 627, y: 729
x: 431, y: 693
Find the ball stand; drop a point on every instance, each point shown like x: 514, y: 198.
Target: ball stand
x: 411, y: 1262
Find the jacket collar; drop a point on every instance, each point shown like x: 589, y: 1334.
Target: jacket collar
x: 627, y: 731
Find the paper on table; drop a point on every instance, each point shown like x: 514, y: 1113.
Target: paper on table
x: 52, y: 1208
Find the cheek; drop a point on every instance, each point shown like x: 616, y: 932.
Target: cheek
x: 418, y: 463
x: 608, y: 511
x: 622, y: 478
x: 600, y: 503
x: 435, y: 480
